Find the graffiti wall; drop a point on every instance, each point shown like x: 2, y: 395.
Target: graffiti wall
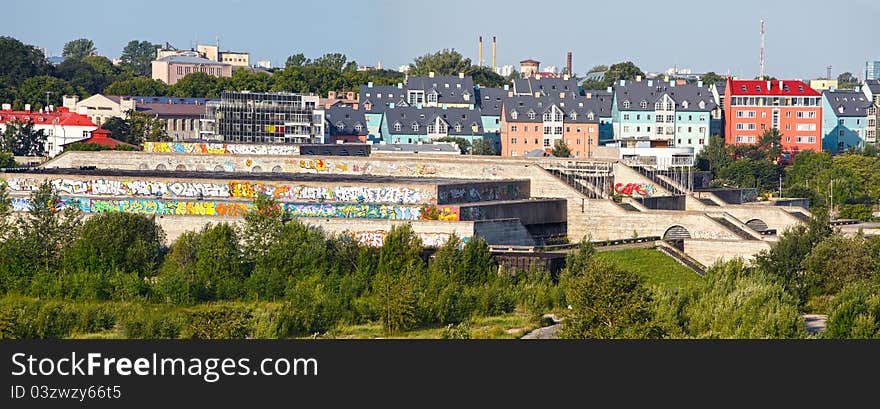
x: 482, y: 192
x: 377, y: 237
x: 232, y: 189
x: 220, y: 148
x: 634, y: 189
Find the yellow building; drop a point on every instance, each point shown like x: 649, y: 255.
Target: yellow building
x: 820, y: 85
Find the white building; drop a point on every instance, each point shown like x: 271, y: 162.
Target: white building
x: 504, y: 70
x: 61, y: 127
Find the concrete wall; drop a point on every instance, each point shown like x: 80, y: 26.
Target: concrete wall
x: 708, y: 252
x: 625, y: 175
x: 504, y: 232
x: 536, y: 211
x: 483, y: 191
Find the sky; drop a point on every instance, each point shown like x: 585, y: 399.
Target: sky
x: 802, y: 37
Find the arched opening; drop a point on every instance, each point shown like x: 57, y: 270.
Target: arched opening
x: 143, y: 166
x: 256, y: 169
x: 676, y: 232
x: 757, y: 225
x: 200, y: 167
x: 160, y: 167
x: 180, y: 167
x: 219, y: 168
x: 276, y: 169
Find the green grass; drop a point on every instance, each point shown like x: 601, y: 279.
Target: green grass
x: 507, y: 326
x: 657, y: 268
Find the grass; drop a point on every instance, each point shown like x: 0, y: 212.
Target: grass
x: 656, y: 267
x: 507, y: 326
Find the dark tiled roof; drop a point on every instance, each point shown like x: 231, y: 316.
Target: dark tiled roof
x: 847, y: 103
x: 348, y: 118
x: 687, y: 97
x: 874, y: 86
x: 449, y: 89
x: 491, y: 100
x: 544, y: 85
x: 379, y: 97
x: 407, y: 116
x: 580, y: 106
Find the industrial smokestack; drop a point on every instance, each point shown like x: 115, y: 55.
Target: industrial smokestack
x: 494, y: 67
x: 481, y: 51
x: 568, y: 64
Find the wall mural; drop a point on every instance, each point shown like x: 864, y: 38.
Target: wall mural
x: 375, y: 238
x: 220, y: 148
x: 233, y: 189
x: 479, y: 193
x: 233, y: 209
x: 634, y: 189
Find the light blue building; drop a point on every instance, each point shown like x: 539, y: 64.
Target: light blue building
x: 844, y: 120
x: 404, y: 125
x: 491, y: 100
x: 662, y: 114
x: 374, y: 100
x: 605, y: 99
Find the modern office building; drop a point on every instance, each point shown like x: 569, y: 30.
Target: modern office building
x: 264, y: 117
x: 872, y: 70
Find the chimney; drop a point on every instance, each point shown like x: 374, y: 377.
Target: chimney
x: 370, y: 84
x: 769, y: 85
x: 609, y: 89
x: 650, y: 83
x: 622, y: 83
x: 331, y: 94
x: 481, y: 51
x: 6, y: 107
x: 494, y: 68
x: 566, y: 77
x: 589, y: 95
x: 461, y: 75
x: 400, y: 85
x: 638, y: 78
x: 671, y: 83
x: 509, y: 93
x: 700, y: 83
x: 537, y: 94
x: 562, y: 95
x: 27, y: 107
x: 431, y: 74
x: 506, y: 87
x: 568, y: 64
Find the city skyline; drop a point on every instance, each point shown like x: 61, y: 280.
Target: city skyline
x: 685, y: 34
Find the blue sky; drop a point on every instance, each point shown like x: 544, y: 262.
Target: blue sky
x: 803, y: 37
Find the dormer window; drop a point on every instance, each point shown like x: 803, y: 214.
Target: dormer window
x: 590, y: 116
x: 758, y: 88
x: 432, y: 97
x: 368, y: 106
x: 573, y: 116
x: 397, y: 127
x: 548, y: 116
x: 457, y: 127
x: 626, y: 104
x: 658, y: 106
x: 513, y: 115
x: 684, y: 104
x: 531, y: 115
x: 358, y: 127
x: 431, y: 128
x: 702, y: 104
x: 644, y: 104
x: 466, y: 96
x: 474, y: 128
x: 415, y: 127
x: 340, y: 126
x: 457, y: 85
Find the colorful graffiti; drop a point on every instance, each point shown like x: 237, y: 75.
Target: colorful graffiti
x: 354, y: 211
x: 219, y: 148
x: 480, y: 193
x: 634, y: 189
x: 375, y: 238
x: 233, y: 189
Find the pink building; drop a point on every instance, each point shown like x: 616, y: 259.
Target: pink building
x: 172, y: 68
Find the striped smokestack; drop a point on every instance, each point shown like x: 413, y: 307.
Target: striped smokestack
x: 481, y: 50
x: 568, y: 64
x: 494, y: 67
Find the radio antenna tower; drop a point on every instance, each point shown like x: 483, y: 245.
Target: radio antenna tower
x: 762, y: 49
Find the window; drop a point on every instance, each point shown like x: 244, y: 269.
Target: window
x: 840, y: 132
x: 670, y: 118
x: 548, y: 116
x: 513, y: 141
x: 840, y: 122
x: 457, y: 127
x: 531, y: 115
x: 590, y: 116
x: 626, y: 129
x: 644, y: 104
x: 513, y: 115
x: 512, y: 153
x: 578, y: 141
x: 690, y: 129
x: 638, y: 117
x: 573, y: 116
x: 358, y: 127
x: 702, y: 130
x: 557, y: 116
x: 513, y: 128
x: 431, y: 128
x: 626, y: 117
x: 415, y: 127
x: 432, y: 97
x: 548, y: 130
x: 702, y: 141
x: 397, y: 127
x: 546, y: 141
x: 558, y: 130
x: 638, y: 129
x: 568, y: 129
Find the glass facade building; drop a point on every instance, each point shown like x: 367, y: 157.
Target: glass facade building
x: 264, y: 117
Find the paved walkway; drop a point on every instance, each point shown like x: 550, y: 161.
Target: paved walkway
x: 815, y: 323
x: 548, y: 332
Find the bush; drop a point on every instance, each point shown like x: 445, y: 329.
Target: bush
x: 217, y: 321
x: 854, y: 312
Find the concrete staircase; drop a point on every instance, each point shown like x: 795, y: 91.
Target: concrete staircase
x: 737, y: 227
x: 681, y: 257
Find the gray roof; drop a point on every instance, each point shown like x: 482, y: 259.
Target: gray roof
x: 605, y: 99
x: 189, y: 59
x: 580, y: 106
x: 873, y: 86
x: 544, y: 85
x: 449, y: 89
x: 687, y: 97
x: 348, y: 118
x: 847, y: 103
x: 379, y: 97
x: 417, y: 147
x: 407, y: 116
x: 721, y: 86
x: 491, y: 100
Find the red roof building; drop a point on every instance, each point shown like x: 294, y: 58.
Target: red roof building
x: 61, y: 126
x: 753, y: 107
x: 102, y: 137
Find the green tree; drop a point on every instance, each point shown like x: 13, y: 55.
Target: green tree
x: 138, y: 55
x: 485, y: 77
x: 196, y: 85
x: 715, y: 155
x: 47, y: 229
x: 120, y: 128
x: 19, y: 61
x: 711, y: 77
x: 560, y: 149
x: 91, y: 74
x: 483, y: 147
x: 847, y: 80
x: 593, y: 83
x: 463, y: 145
x: 854, y: 312
x: 21, y: 139
x: 140, y: 86
x: 443, y: 62
x: 837, y: 261
x: 395, y: 286
x: 78, y: 49
x: 219, y: 264
x: 262, y: 226
x: 334, y: 61
x: 297, y: 60
x: 33, y: 91
x: 608, y: 303
x: 145, y: 127
x: 621, y: 71
x: 116, y: 242
x: 7, y: 161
